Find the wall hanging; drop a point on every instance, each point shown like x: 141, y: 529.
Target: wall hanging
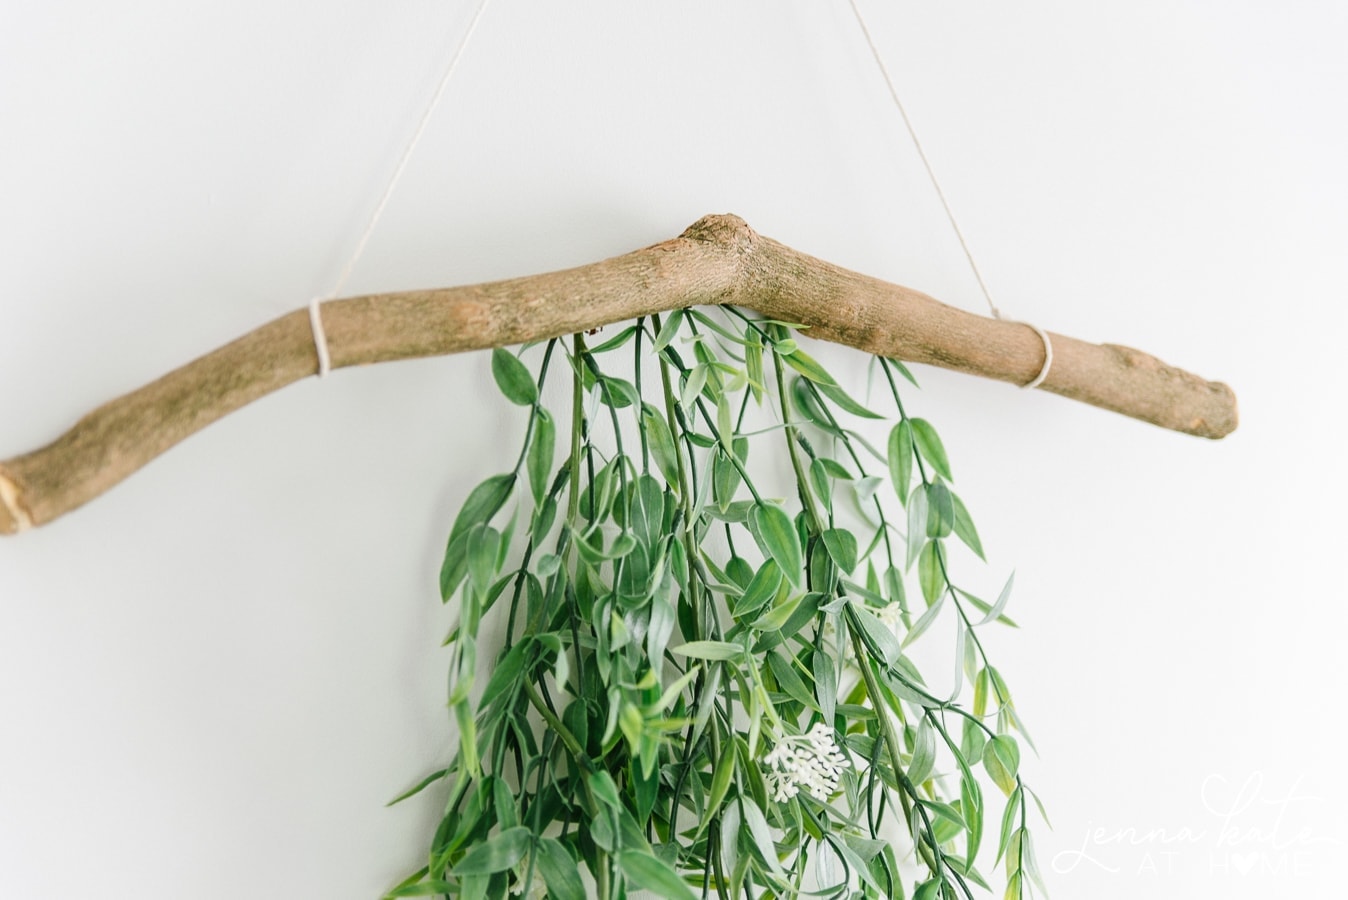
x: 705, y: 685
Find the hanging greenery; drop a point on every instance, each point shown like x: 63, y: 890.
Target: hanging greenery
x: 705, y: 689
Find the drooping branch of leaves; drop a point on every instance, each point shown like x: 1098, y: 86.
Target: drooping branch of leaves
x: 705, y: 689
x: 717, y: 261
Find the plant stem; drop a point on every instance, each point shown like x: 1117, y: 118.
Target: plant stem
x: 802, y: 485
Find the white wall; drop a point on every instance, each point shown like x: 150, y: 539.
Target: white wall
x: 213, y: 678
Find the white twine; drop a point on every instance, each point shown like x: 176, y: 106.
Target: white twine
x: 315, y: 313
x: 945, y: 204
x: 1048, y: 356
x: 320, y: 337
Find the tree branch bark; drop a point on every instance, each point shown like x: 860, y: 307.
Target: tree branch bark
x: 718, y: 260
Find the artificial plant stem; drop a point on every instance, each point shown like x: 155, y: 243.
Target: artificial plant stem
x: 856, y: 460
x: 940, y: 551
x: 802, y: 484
x: 889, y: 737
x: 636, y: 377
x: 577, y: 426
x: 537, y: 405
x: 716, y: 432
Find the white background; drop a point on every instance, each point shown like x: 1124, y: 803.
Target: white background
x: 212, y: 678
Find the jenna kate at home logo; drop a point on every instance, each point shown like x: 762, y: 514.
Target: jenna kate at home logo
x: 1247, y: 828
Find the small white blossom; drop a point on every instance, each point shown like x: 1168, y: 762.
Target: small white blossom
x: 538, y: 891
x: 810, y: 762
x: 890, y: 616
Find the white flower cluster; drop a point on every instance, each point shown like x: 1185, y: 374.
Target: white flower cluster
x: 810, y: 761
x: 890, y: 616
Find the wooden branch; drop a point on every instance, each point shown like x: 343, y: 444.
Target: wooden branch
x: 718, y: 260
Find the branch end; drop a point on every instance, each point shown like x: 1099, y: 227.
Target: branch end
x: 13, y: 516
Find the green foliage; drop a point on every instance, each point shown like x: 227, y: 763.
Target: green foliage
x: 704, y: 689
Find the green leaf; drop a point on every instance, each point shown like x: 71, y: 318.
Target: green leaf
x: 940, y: 510
x: 877, y: 638
x: 424, y: 889
x: 483, y: 544
x: 825, y: 684
x: 819, y: 480
x: 777, y: 538
x: 971, y: 806
x: 668, y: 330
x: 947, y: 812
x: 497, y: 854
x: 972, y: 741
x: 757, y: 826
x: 805, y: 364
x: 648, y: 510
x: 650, y: 873
x: 762, y: 588
x: 730, y: 836
x: 753, y: 361
x: 622, y: 545
x: 725, y: 476
x: 981, y: 687
x: 507, y: 670
x: 844, y: 401
x: 739, y: 571
x: 616, y: 341
x: 539, y: 461
x: 420, y: 786
x: 1002, y: 599
x: 604, y: 790
x: 720, y: 785
x: 924, y: 753
x: 928, y: 443
x: 784, y: 620
x: 964, y: 527
x: 560, y: 872
x: 618, y: 393
x: 672, y: 692
x: 985, y: 607
x: 866, y: 487
x: 902, y: 370
x: 808, y: 406
x: 901, y: 459
x: 894, y: 588
x: 788, y: 681
x: 1028, y: 862
x: 918, y: 546
x: 928, y: 890
x: 503, y: 801
x: 513, y: 378
x: 484, y: 502
x: 924, y: 622
x: 661, y: 442
x: 544, y: 516
x: 1001, y: 759
x: 834, y: 469
x: 842, y: 546
x: 692, y: 387
x: 1009, y: 816
x: 929, y: 572
x: 715, y: 326
x: 659, y: 631
x: 467, y: 739
x: 709, y: 650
